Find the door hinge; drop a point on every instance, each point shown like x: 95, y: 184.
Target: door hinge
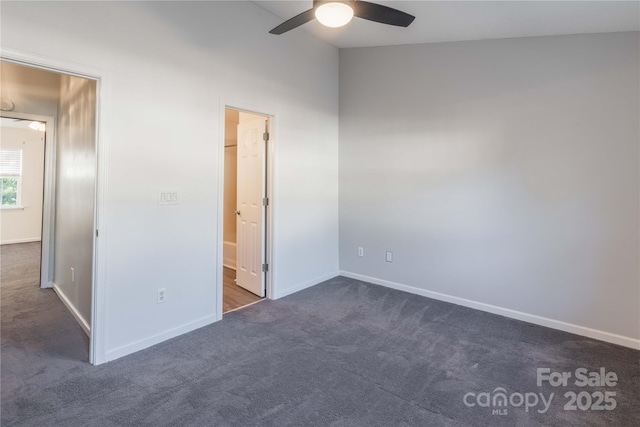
x: 265, y: 136
x: 96, y: 233
x: 265, y: 268
x: 265, y: 201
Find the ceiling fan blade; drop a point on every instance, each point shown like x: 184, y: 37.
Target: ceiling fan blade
x: 294, y: 22
x: 382, y: 14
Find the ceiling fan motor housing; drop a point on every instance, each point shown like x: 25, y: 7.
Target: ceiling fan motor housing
x: 317, y: 3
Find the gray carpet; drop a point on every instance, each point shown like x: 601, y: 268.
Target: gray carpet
x: 343, y: 353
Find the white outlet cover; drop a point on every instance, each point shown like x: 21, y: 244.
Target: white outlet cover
x: 162, y: 295
x: 389, y: 257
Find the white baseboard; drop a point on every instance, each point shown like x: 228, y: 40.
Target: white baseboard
x: 74, y: 311
x: 127, y: 349
x: 280, y: 293
x: 229, y: 254
x: 513, y: 314
x: 27, y: 240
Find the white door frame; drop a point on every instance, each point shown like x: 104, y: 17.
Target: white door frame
x: 49, y: 196
x: 271, y: 191
x: 98, y: 280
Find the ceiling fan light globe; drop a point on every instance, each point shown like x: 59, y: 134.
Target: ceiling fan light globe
x: 334, y: 14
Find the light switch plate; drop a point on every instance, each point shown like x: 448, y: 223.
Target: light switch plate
x: 168, y: 198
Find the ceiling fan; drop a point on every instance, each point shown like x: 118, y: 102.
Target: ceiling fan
x: 336, y: 13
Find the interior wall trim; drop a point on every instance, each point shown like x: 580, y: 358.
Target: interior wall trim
x: 27, y: 240
x: 281, y: 293
x: 72, y: 308
x: 506, y: 312
x: 127, y: 349
x: 229, y: 255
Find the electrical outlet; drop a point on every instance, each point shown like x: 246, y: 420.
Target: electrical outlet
x: 389, y: 257
x: 73, y: 275
x: 360, y: 251
x: 162, y: 295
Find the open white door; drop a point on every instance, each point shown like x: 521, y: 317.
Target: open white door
x: 250, y: 210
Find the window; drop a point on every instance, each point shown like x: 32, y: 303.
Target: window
x: 10, y: 177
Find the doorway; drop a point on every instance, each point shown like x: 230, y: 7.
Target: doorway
x: 245, y: 202
x: 27, y: 184
x: 22, y: 154
x: 48, y: 196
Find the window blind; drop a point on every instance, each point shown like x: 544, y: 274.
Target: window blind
x: 10, y: 162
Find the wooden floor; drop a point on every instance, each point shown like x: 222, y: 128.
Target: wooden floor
x: 235, y: 296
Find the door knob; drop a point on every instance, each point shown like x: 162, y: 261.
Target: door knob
x: 236, y: 212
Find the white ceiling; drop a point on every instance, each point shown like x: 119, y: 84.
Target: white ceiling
x: 30, y: 89
x: 442, y: 21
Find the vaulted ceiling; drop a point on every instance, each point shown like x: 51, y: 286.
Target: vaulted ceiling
x: 442, y: 21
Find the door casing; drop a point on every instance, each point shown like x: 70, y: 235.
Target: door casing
x: 97, y: 353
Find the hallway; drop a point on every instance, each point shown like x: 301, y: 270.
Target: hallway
x: 39, y: 336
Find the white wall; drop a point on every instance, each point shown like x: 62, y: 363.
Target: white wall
x: 75, y: 189
x: 25, y: 225
x: 502, y: 172
x: 171, y: 65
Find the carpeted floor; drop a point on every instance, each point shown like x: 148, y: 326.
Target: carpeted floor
x: 343, y: 353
